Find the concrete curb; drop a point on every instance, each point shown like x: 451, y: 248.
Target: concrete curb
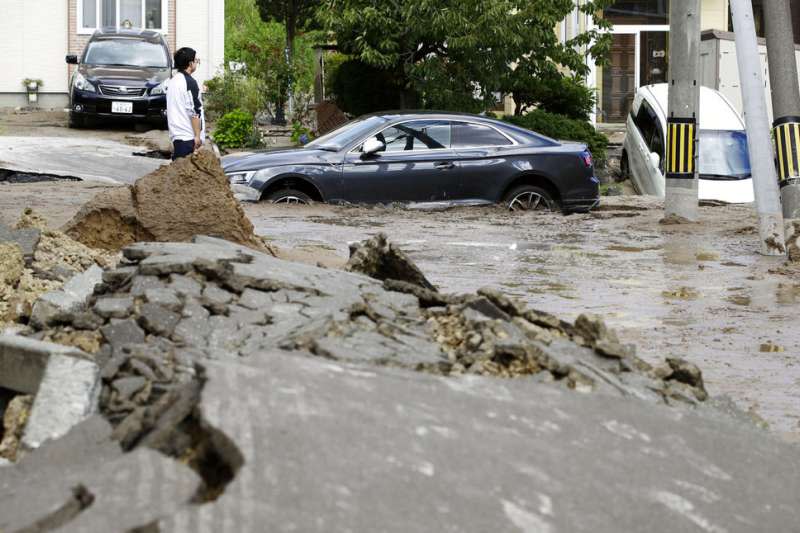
x: 66, y: 384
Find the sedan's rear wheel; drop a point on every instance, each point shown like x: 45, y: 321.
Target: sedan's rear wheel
x: 288, y: 196
x: 529, y: 198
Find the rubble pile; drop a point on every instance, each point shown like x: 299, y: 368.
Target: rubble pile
x: 35, y: 259
x: 189, y: 197
x: 269, y: 379
x: 167, y: 305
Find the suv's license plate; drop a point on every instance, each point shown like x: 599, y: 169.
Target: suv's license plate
x: 122, y: 107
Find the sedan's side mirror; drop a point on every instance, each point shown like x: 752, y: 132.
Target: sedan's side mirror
x: 655, y: 160
x: 72, y: 59
x: 372, y: 146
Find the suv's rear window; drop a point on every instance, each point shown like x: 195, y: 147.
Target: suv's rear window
x: 125, y: 52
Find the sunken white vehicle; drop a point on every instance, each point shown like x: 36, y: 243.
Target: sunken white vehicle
x: 723, y: 160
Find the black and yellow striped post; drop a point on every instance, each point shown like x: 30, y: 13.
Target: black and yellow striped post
x: 681, y: 148
x: 787, y: 141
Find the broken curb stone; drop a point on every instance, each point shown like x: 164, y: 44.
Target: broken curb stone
x: 64, y: 383
x: 58, y: 306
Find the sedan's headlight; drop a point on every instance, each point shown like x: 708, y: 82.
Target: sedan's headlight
x: 83, y: 84
x: 161, y: 88
x: 241, y: 177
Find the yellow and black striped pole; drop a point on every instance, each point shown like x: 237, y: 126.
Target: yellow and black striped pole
x: 787, y: 141
x: 681, y: 148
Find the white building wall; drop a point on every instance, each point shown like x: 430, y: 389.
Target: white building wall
x: 33, y: 43
x: 200, y: 24
x: 720, y: 71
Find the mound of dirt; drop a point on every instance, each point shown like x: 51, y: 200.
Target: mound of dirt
x: 176, y: 202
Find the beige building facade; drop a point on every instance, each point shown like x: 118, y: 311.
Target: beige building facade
x: 37, y: 35
x: 640, y: 48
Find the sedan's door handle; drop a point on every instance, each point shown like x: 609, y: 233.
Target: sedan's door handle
x: 444, y: 165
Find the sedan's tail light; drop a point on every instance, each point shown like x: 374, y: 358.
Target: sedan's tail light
x: 587, y: 158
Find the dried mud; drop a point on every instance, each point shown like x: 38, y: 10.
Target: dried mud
x: 188, y: 197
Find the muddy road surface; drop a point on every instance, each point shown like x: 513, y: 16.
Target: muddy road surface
x: 699, y: 291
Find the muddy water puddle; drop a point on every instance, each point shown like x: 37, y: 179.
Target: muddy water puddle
x: 707, y: 296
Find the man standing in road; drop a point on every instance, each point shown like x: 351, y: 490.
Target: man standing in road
x: 185, y: 116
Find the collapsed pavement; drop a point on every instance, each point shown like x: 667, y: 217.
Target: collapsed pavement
x: 313, y: 399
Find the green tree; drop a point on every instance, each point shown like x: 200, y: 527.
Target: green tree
x: 294, y: 14
x: 457, y: 54
x: 259, y: 45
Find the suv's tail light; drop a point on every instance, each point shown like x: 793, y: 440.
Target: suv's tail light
x: 587, y: 158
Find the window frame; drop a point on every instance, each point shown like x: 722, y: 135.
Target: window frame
x: 358, y: 147
x: 81, y: 30
x: 453, y: 124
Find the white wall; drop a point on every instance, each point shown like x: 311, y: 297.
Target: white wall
x: 200, y: 24
x: 33, y: 43
x: 719, y: 70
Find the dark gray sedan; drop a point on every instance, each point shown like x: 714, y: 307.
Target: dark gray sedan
x: 424, y: 158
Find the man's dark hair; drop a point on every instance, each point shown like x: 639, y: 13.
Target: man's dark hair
x: 183, y: 57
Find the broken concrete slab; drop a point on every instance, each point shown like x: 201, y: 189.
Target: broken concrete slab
x: 332, y: 447
x: 64, y: 380
x: 23, y: 361
x: 56, y: 306
x: 67, y: 395
x: 42, y: 482
x: 114, y: 307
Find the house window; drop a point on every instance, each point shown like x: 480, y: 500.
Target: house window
x: 144, y: 14
x: 638, y: 12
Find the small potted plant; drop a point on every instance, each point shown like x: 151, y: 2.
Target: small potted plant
x: 32, y: 86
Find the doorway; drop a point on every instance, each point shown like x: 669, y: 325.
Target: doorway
x: 619, y: 77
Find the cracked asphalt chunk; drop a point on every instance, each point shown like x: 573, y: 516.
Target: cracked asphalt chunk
x: 295, y: 397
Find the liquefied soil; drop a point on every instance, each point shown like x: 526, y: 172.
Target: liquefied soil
x: 698, y: 291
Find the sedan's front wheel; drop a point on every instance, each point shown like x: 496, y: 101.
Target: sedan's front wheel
x: 288, y: 196
x: 529, y: 198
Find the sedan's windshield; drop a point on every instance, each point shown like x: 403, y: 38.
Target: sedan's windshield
x: 723, y: 154
x: 343, y: 136
x: 126, y: 52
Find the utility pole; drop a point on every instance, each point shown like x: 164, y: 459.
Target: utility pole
x: 765, y: 180
x: 682, y: 110
x: 785, y: 103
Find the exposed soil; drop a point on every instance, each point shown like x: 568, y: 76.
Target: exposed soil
x: 174, y: 203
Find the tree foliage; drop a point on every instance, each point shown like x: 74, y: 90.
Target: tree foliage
x: 293, y: 14
x: 458, y: 54
x: 260, y: 45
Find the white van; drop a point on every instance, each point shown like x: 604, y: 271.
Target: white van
x: 723, y: 161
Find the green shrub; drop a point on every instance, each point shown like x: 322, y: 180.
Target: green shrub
x: 234, y: 130
x: 229, y: 91
x: 564, y: 128
x: 301, y: 134
x: 564, y: 96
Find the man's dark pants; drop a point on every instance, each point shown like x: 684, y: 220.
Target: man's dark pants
x: 182, y: 148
